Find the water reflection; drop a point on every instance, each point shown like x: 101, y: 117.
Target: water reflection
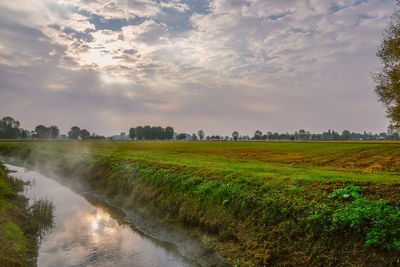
x: 85, y: 235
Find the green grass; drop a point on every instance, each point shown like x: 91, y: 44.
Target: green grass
x: 21, y: 225
x: 13, y: 249
x: 15, y: 241
x: 276, y: 160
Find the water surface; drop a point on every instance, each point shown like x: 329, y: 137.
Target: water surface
x: 88, y: 235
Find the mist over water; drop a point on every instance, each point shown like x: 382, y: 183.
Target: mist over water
x: 85, y: 235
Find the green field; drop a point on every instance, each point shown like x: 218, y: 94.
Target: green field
x: 316, y: 161
x: 254, y: 202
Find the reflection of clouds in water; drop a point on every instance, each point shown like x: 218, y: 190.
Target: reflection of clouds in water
x: 102, y: 227
x: 82, y: 236
x: 88, y: 236
x: 96, y: 221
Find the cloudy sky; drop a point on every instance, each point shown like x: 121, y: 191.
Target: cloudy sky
x: 218, y: 65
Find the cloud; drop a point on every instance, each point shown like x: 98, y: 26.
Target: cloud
x: 218, y: 65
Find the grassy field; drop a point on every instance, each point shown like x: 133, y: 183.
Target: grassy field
x: 316, y: 161
x: 254, y: 202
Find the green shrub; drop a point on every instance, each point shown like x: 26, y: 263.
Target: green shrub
x: 227, y: 192
x: 378, y: 222
x: 206, y: 190
x: 350, y: 192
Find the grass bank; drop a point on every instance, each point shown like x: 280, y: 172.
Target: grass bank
x: 256, y: 203
x: 21, y: 225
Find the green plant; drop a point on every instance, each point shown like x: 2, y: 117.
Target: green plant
x: 42, y: 216
x: 349, y: 192
x: 5, y: 189
x: 377, y: 221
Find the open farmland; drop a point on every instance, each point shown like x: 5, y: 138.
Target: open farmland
x: 253, y: 202
x: 337, y: 161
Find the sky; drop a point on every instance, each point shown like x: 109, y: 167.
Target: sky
x: 216, y: 65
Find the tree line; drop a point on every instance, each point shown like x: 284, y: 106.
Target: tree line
x: 330, y: 135
x: 301, y: 135
x: 10, y: 129
x: 151, y: 133
x: 78, y: 133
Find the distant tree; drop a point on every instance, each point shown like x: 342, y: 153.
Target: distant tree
x: 9, y: 128
x: 235, y: 135
x: 327, y: 135
x: 335, y: 135
x: 246, y: 138
x: 24, y: 134
x: 42, y: 132
x: 95, y: 136
x: 201, y: 134
x: 257, y: 135
x: 181, y: 136
x: 151, y: 133
x: 302, y: 134
x: 147, y: 132
x: 269, y: 135
x: 74, y: 132
x: 84, y: 134
x: 132, y: 133
x: 387, y: 80
x: 139, y: 131
x: 345, y: 135
x: 10, y: 122
x: 157, y: 133
x: 393, y: 132
x: 169, y: 133
x: 54, y: 132
x: 317, y: 137
x: 194, y: 137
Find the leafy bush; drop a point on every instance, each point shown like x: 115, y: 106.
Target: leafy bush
x: 377, y: 221
x: 206, y: 189
x: 350, y: 192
